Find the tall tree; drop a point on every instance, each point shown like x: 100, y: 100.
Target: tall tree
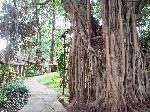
x: 106, y: 67
x: 52, y: 33
x: 124, y: 64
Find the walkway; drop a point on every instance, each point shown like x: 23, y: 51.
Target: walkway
x: 41, y: 98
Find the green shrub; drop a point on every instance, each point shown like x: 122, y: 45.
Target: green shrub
x: 61, y: 65
x: 15, y: 95
x: 16, y: 86
x: 10, y: 68
x: 30, y: 71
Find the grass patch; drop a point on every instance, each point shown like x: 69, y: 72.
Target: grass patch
x: 52, y: 80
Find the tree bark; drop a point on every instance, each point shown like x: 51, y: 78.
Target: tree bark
x: 52, y: 33
x: 84, y: 69
x: 124, y: 65
x: 108, y: 76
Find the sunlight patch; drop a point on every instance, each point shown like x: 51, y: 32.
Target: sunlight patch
x: 2, y: 44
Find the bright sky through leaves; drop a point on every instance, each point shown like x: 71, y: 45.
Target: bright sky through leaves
x: 2, y: 44
x: 2, y: 41
x: 1, y: 1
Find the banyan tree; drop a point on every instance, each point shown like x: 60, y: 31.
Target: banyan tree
x: 106, y: 66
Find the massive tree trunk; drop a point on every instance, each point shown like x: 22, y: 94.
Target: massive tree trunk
x: 84, y: 67
x: 125, y: 75
x: 106, y: 69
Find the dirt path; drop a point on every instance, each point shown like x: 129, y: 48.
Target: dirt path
x: 41, y: 98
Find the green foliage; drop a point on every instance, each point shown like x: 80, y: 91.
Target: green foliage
x: 7, y: 74
x: 10, y: 68
x: 15, y: 95
x: 143, y: 25
x: 59, y: 52
x: 1, y: 95
x: 60, y: 61
x: 1, y: 72
x: 95, y: 9
x: 1, y: 69
x: 15, y: 86
x: 52, y: 80
x: 31, y: 71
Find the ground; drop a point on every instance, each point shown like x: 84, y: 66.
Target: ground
x: 41, y: 98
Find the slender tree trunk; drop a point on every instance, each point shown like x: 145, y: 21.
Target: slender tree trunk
x: 52, y: 33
